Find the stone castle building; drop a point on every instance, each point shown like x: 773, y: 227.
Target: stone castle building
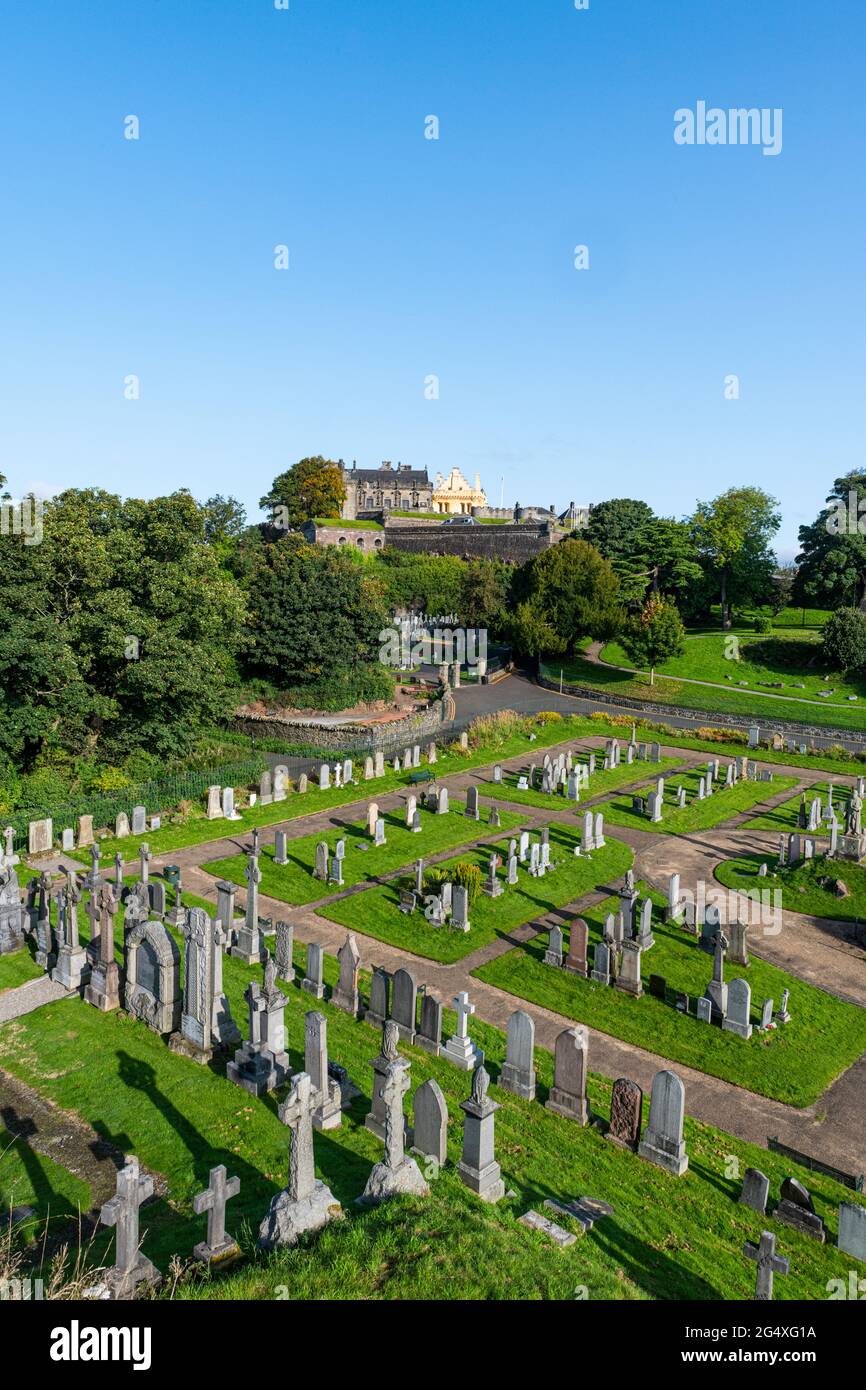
x: 454, y: 496
x: 385, y: 489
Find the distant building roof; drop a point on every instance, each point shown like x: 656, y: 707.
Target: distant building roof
x: 386, y: 473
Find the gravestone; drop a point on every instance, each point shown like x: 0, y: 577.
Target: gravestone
x: 553, y: 954
x: 153, y: 977
x: 85, y: 831
x: 478, y: 1169
x: 283, y: 950
x: 327, y: 1113
x: 460, y: 908
x: 40, y: 836
x: 601, y: 963
x: 768, y: 1262
x: 103, y: 990
x: 472, y: 804
x: 396, y: 1174
x: 430, y: 1116
x: 345, y: 995
x: 852, y: 1230
x: 568, y: 1093
x: 262, y: 1063
x: 738, y: 1018
x: 442, y: 807
x: 797, y: 1209
x: 281, y: 778
x: 756, y: 1190
x: 306, y: 1205
x: 628, y: 979
x: 379, y: 838
x: 380, y: 997
x: 460, y: 1049
x: 663, y: 1141
x: 383, y: 1065
x: 139, y: 820
x: 280, y: 848
x: 625, y: 1113
x: 220, y: 1249
x: 229, y: 811
x: 312, y: 981
x: 131, y: 1268
x: 404, y: 1005
x: 518, y: 1069
x: 429, y: 1035
x: 578, y: 937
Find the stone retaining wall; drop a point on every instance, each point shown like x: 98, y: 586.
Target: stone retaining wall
x: 399, y: 732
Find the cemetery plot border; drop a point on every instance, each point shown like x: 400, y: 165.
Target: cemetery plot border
x: 724, y: 803
x: 791, y: 1066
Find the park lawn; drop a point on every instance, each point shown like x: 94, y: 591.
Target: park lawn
x: 801, y: 890
x: 794, y: 1064
x: 181, y: 1120
x: 784, y: 817
x: 376, y: 912
x: 581, y: 674
x: 599, y: 784
x: 695, y: 815
x: 30, y: 1179
x: 364, y: 862
x: 764, y: 660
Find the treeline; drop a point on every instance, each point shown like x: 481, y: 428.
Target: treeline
x: 135, y: 626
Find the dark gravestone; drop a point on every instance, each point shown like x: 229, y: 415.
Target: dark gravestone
x: 148, y: 968
x: 625, y: 1113
x: 658, y: 986
x: 797, y: 1209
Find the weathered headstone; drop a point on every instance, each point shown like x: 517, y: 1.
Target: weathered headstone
x: 306, y: 1205
x: 131, y: 1267
x: 430, y: 1114
x: 220, y: 1249
x: 478, y: 1169
x: 625, y: 1113
x: 568, y: 1093
x: 518, y: 1069
x: 663, y: 1142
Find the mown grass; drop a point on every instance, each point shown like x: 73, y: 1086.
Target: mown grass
x: 794, y: 1064
x: 668, y: 1239
x: 784, y: 817
x: 30, y: 1179
x: 600, y: 783
x: 18, y: 967
x: 728, y: 699
x: 364, y: 861
x: 376, y: 912
x: 800, y: 884
x: 695, y: 815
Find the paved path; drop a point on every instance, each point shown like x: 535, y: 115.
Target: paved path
x: 14, y: 1003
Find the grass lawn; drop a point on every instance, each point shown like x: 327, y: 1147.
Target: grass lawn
x: 18, y: 967
x: 726, y: 698
x: 29, y: 1179
x: 669, y: 1238
x: 764, y: 661
x: 375, y: 913
x: 794, y: 1064
x: 784, y: 817
x: 695, y: 815
x: 600, y: 783
x: 801, y: 890
x: 364, y: 862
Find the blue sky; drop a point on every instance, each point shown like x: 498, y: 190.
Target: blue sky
x: 411, y: 257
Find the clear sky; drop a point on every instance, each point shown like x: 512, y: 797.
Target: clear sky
x: 412, y: 257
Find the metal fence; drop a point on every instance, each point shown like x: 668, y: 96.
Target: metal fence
x: 162, y: 794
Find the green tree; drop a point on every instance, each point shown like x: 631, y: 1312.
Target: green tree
x: 483, y: 600
x: 832, y: 563
x: 315, y: 612
x: 531, y: 635
x: 655, y: 635
x: 313, y: 487
x: 431, y: 584
x: 732, y: 534
x: 843, y: 640
x: 225, y: 522
x: 574, y: 590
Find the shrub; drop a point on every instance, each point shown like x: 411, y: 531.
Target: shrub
x: 547, y: 716
x: 466, y: 874
x: 762, y: 623
x: 344, y: 688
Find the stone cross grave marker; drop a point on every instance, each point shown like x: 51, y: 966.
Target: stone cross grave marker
x: 219, y: 1247
x: 768, y: 1262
